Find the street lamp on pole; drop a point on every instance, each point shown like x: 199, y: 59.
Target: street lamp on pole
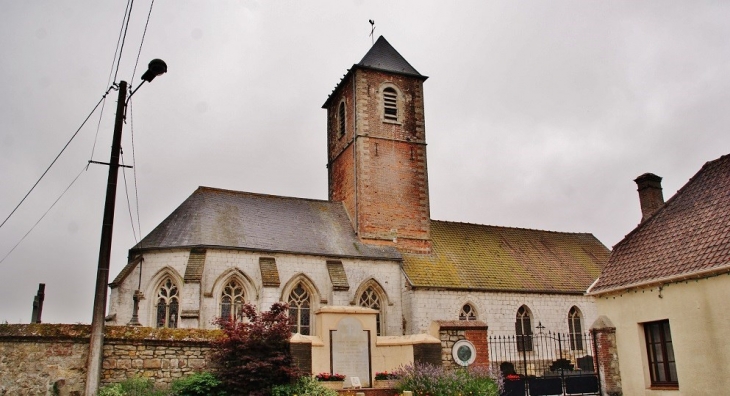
x: 96, y: 340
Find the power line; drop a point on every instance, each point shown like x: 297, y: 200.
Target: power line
x: 144, y: 33
x: 126, y: 192
x: 44, y: 214
x: 134, y: 170
x: 124, y: 37
x: 109, y: 79
x: 59, y: 154
x: 131, y: 123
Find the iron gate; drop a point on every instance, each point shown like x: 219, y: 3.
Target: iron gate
x: 545, y: 364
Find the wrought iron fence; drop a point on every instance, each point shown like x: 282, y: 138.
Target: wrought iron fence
x: 545, y: 364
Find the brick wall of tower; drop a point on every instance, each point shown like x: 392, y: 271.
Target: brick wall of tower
x: 340, y: 149
x: 377, y: 168
x: 392, y: 195
x: 393, y: 201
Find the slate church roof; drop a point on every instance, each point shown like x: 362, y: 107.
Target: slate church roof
x: 687, y: 237
x: 490, y: 258
x: 381, y: 56
x: 213, y: 217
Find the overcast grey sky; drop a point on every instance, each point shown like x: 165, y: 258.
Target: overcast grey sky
x: 538, y: 114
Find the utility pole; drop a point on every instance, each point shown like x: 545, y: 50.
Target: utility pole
x: 96, y: 341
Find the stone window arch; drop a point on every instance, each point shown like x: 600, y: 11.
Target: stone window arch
x: 232, y: 299
x: 371, y: 295
x: 523, y: 329
x: 575, y: 329
x: 300, y: 309
x: 167, y: 304
x: 468, y: 312
x: 303, y: 298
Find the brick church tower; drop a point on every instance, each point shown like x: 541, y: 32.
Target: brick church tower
x: 376, y: 148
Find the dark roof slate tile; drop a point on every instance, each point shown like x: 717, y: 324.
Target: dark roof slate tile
x: 239, y: 220
x: 383, y: 56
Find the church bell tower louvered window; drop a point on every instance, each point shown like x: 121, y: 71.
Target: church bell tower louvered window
x: 390, y: 104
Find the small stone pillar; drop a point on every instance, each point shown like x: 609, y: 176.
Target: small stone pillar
x: 606, y: 356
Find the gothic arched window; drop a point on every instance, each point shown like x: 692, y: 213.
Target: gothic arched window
x: 390, y: 104
x: 575, y: 330
x: 370, y: 299
x: 168, y: 302
x: 523, y: 329
x: 300, y: 309
x: 232, y: 300
x: 467, y: 313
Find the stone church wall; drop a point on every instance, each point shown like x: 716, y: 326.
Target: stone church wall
x: 498, y: 310
x: 203, y: 298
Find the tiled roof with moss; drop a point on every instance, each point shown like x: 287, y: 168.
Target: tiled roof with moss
x: 481, y: 257
x: 688, y: 236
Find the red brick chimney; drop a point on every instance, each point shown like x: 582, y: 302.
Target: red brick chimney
x: 650, y: 194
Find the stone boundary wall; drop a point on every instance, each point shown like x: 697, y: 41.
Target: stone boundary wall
x: 36, y: 358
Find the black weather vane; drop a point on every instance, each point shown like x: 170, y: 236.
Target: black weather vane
x: 372, y: 30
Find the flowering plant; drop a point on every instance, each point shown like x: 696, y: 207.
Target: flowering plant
x: 329, y: 377
x: 385, y: 376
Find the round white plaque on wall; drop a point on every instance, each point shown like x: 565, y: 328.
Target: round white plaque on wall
x: 464, y: 352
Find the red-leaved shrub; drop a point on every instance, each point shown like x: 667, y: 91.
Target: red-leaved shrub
x: 254, y: 354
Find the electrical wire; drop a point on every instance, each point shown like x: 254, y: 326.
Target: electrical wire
x: 126, y: 192
x: 59, y: 154
x: 124, y: 37
x: 134, y: 170
x: 44, y: 214
x: 131, y: 123
x: 109, y: 79
x: 144, y: 33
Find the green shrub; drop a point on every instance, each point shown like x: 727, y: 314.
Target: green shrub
x: 305, y: 385
x: 198, y: 384
x: 134, y: 386
x: 111, y: 390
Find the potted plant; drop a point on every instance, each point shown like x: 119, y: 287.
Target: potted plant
x: 331, y: 380
x: 385, y: 380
